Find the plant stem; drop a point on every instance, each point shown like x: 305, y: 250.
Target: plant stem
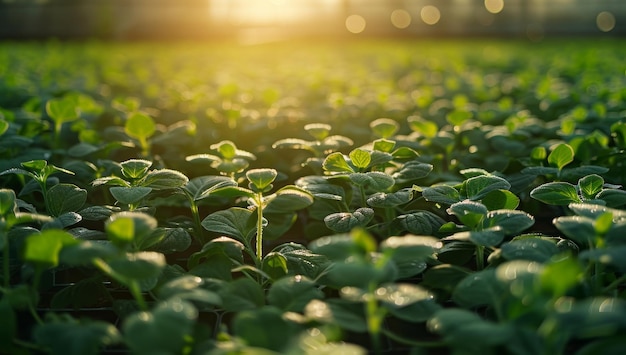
x: 135, y: 290
x: 196, y: 220
x: 259, y: 227
x: 480, y: 257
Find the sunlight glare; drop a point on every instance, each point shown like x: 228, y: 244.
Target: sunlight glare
x: 355, y: 23
x: 400, y: 18
x: 430, y: 14
x: 494, y: 6
x: 605, y: 21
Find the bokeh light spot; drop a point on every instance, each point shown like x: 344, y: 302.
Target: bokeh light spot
x: 430, y: 14
x: 355, y: 23
x: 494, y: 6
x: 605, y: 21
x: 400, y: 18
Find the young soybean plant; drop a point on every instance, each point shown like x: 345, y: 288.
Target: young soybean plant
x: 271, y: 214
x: 136, y: 182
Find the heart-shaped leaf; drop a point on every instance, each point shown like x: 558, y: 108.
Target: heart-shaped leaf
x: 63, y: 198
x: 336, y: 163
x: 135, y: 168
x: 234, y: 222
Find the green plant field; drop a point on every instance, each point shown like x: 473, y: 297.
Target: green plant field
x: 384, y: 197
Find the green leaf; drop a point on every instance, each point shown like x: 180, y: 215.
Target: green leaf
x: 538, y: 154
x: 135, y: 168
x: 85, y: 252
x: 261, y: 179
x: 613, y: 256
x: 201, y: 187
x: 421, y: 222
x: 460, y: 327
x: 412, y: 170
x: 242, y: 294
x: 468, y: 212
x: 410, y: 247
x: 458, y: 117
x: 578, y: 228
x: 488, y: 237
x: 478, y: 289
x: 384, y: 127
x: 479, y: 186
x: 7, y: 202
x: 164, y: 330
x: 346, y: 221
x: 62, y: 110
x: 531, y: 248
x: 301, y: 261
x: 65, y: 198
x: 500, y: 199
x: 336, y: 247
x: 228, y: 247
x: 391, y: 199
x: 289, y: 198
x: 4, y: 126
x: 444, y: 276
x: 347, y: 315
x: 561, y: 275
x: 264, y: 328
x: 560, y: 156
x: 374, y: 180
x: 275, y: 265
x: 336, y: 163
x: 234, y: 222
x: 64, y: 335
x: 556, y: 193
x: 43, y: 249
x: 408, y: 302
x: 140, y: 126
x: 590, y: 186
x: 319, y: 131
x: 360, y: 158
x: 509, y: 222
x: 174, y: 240
x: 612, y: 197
x: 293, y: 293
x: 138, y: 266
x: 189, y: 288
x: 422, y: 126
x: 445, y: 194
x: 384, y: 145
x: 129, y: 195
x: 125, y: 227
x: 226, y: 148
x: 164, y: 179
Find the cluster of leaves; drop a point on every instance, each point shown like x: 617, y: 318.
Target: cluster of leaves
x: 423, y: 229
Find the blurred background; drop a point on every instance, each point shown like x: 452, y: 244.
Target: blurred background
x: 263, y: 20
